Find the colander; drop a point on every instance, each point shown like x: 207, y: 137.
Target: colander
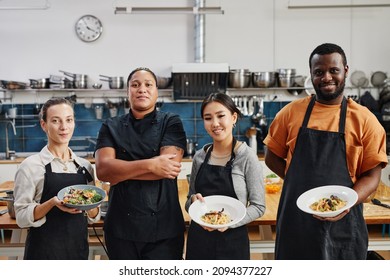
x: 378, y: 78
x: 359, y: 79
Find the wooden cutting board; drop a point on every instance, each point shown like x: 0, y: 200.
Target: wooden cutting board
x: 370, y: 210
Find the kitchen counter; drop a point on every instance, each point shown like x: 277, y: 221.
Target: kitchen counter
x: 91, y: 159
x: 18, y: 160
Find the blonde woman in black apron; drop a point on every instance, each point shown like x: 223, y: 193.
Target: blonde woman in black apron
x: 319, y: 140
x: 225, y: 167
x: 55, y: 231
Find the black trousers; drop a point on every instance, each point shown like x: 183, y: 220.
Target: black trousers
x: 166, y: 249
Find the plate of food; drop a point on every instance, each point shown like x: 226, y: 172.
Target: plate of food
x: 217, y: 211
x: 82, y: 197
x: 327, y: 201
x: 272, y: 179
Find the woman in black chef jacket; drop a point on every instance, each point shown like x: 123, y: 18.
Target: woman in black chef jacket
x: 225, y: 167
x: 55, y: 231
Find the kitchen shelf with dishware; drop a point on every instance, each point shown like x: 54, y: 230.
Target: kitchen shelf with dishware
x: 193, y: 81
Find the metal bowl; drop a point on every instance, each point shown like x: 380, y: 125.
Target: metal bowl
x: 263, y: 79
x: 97, y: 86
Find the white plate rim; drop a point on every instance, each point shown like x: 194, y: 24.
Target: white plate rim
x: 304, y: 200
x: 210, y: 199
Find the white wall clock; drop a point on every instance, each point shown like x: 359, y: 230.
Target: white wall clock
x: 88, y: 28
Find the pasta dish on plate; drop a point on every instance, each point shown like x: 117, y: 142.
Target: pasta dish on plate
x: 216, y: 217
x: 328, y: 204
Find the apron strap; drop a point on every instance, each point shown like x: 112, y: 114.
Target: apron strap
x: 229, y: 164
x: 343, y: 116
x: 308, y: 111
x: 48, y: 168
x: 80, y: 170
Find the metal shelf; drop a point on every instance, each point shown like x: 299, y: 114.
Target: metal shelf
x: 91, y: 93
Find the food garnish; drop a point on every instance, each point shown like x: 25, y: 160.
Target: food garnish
x: 82, y: 197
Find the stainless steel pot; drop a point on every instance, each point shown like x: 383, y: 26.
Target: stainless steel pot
x: 113, y: 82
x: 40, y: 83
x: 80, y: 81
x: 191, y: 147
x: 239, y: 78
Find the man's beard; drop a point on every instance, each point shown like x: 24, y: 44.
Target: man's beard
x: 326, y: 96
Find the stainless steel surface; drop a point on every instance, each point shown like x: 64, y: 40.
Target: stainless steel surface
x: 113, y: 82
x: 287, y: 71
x: 200, y: 33
x: 191, y: 147
x: 263, y: 79
x: 286, y: 81
x: 239, y: 78
x: 40, y: 83
x: 80, y: 81
x: 97, y: 85
x: 8, y: 152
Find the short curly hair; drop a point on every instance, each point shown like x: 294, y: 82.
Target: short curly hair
x: 328, y: 48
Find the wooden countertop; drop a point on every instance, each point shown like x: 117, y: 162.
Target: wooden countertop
x: 373, y: 214
x: 19, y: 160
x: 91, y: 159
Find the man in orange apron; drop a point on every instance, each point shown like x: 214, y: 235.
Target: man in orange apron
x: 324, y: 139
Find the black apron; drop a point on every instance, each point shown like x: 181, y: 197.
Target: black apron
x: 63, y: 236
x: 319, y: 159
x: 202, y: 244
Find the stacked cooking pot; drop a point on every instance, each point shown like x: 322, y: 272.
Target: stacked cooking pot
x: 286, y: 77
x: 80, y: 81
x: 113, y: 82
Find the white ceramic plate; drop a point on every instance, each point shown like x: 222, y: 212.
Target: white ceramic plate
x: 232, y: 207
x: 84, y: 207
x: 307, y: 198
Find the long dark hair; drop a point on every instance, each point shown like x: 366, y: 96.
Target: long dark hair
x: 51, y: 102
x: 222, y: 98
